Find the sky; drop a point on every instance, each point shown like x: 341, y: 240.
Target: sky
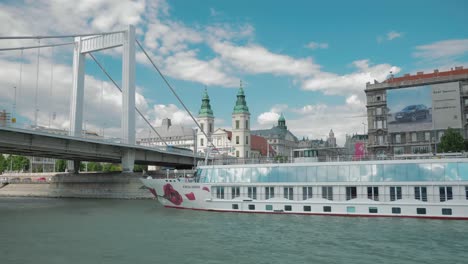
x: 309, y: 60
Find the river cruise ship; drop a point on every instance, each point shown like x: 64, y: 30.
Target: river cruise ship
x: 424, y: 188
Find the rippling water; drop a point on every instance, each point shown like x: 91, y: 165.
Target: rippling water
x: 141, y: 231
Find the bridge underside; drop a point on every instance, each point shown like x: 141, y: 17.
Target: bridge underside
x: 31, y: 143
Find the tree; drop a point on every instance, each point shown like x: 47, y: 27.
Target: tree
x: 451, y: 141
x: 2, y: 163
x: 94, y: 166
x: 16, y: 163
x: 60, y: 165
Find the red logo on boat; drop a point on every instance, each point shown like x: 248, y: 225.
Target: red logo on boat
x: 206, y: 189
x: 190, y: 196
x: 172, y: 195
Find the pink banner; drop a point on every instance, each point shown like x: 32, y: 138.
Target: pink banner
x: 359, y: 150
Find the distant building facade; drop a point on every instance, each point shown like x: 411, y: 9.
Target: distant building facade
x: 173, y: 135
x: 409, y: 114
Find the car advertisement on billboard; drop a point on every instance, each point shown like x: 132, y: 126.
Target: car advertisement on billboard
x: 424, y: 108
x: 409, y: 109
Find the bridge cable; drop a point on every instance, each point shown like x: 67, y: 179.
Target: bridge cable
x: 61, y: 36
x: 120, y: 89
x: 36, y: 110
x: 38, y: 46
x: 175, y: 94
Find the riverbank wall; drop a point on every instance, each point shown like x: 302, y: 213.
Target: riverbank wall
x: 83, y: 185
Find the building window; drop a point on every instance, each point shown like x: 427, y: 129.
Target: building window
x: 201, y: 141
x: 202, y: 127
x: 396, y: 210
x: 380, y: 140
x: 307, y: 208
x: 398, y: 138
x: 237, y: 153
x: 327, y: 209
x: 351, y: 209
x: 288, y: 193
x: 373, y: 193
x: 420, y: 193
x: 235, y: 206
x: 373, y: 210
x: 351, y: 193
x: 414, y: 137
x: 427, y: 136
x: 269, y: 207
x: 235, y: 192
x: 395, y: 193
x: 445, y: 193
x: 237, y: 140
x: 251, y: 206
x: 327, y: 192
x: 247, y: 124
x: 378, y: 111
x: 237, y: 124
x: 269, y: 192
x: 306, y: 193
x: 446, y: 211
x: 246, y: 140
x: 421, y: 211
x: 211, y: 128
x: 398, y: 150
x: 252, y: 192
x: 219, y: 192
x: 288, y: 208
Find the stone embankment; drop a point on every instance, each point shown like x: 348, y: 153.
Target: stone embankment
x: 83, y: 185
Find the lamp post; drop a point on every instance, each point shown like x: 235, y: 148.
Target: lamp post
x: 364, y: 131
x: 13, y: 114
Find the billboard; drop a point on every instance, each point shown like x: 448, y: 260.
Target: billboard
x: 424, y: 108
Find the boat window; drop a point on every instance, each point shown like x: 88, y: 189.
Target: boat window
x: 312, y: 174
x: 438, y: 171
x: 251, y: 206
x: 395, y: 193
x: 445, y: 193
x: 327, y: 192
x: 307, y: 208
x: 219, y: 192
x: 306, y: 192
x: 327, y: 209
x: 354, y: 173
x: 288, y: 193
x: 332, y: 173
x: 321, y: 173
x: 343, y: 173
x: 269, y: 207
x: 288, y: 208
x: 466, y: 192
x: 446, y: 211
x: 351, y: 192
x: 396, y: 210
x: 373, y: 193
x: 373, y: 210
x: 235, y: 206
x: 351, y: 209
x: 235, y: 192
x: 421, y: 210
x: 252, y: 192
x: 420, y: 193
x: 269, y: 192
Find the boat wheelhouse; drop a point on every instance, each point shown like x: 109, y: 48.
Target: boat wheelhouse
x: 434, y: 188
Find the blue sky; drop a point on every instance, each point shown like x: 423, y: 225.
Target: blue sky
x: 307, y: 59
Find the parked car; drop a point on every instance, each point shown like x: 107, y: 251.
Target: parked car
x: 412, y: 113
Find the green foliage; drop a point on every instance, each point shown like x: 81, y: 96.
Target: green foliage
x: 94, y: 166
x: 2, y: 163
x: 109, y: 167
x: 140, y: 168
x: 16, y: 163
x: 60, y: 165
x: 451, y: 141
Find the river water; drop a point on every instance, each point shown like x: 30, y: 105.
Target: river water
x: 35, y: 230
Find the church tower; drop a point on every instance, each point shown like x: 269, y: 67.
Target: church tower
x: 241, y: 126
x: 331, y: 139
x: 282, y: 122
x: 206, y: 121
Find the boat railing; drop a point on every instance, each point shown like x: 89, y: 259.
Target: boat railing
x: 337, y: 158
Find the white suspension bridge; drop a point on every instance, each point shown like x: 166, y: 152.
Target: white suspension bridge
x: 75, y: 146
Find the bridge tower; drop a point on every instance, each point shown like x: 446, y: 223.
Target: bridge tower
x: 84, y: 45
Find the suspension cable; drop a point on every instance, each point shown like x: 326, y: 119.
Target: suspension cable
x: 175, y: 94
x: 120, y: 89
x: 60, y: 36
x: 38, y: 46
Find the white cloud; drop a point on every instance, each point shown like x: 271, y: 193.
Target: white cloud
x: 334, y: 84
x: 442, y: 49
x: 270, y: 118
x: 317, y: 45
x: 255, y: 59
x: 393, y: 35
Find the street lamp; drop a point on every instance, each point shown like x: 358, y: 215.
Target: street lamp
x: 13, y: 114
x: 364, y: 128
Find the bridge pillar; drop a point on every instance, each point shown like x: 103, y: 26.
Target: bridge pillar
x: 76, y: 103
x: 128, y: 160
x: 73, y: 166
x: 128, y: 97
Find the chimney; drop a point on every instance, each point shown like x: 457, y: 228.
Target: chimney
x: 436, y: 71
